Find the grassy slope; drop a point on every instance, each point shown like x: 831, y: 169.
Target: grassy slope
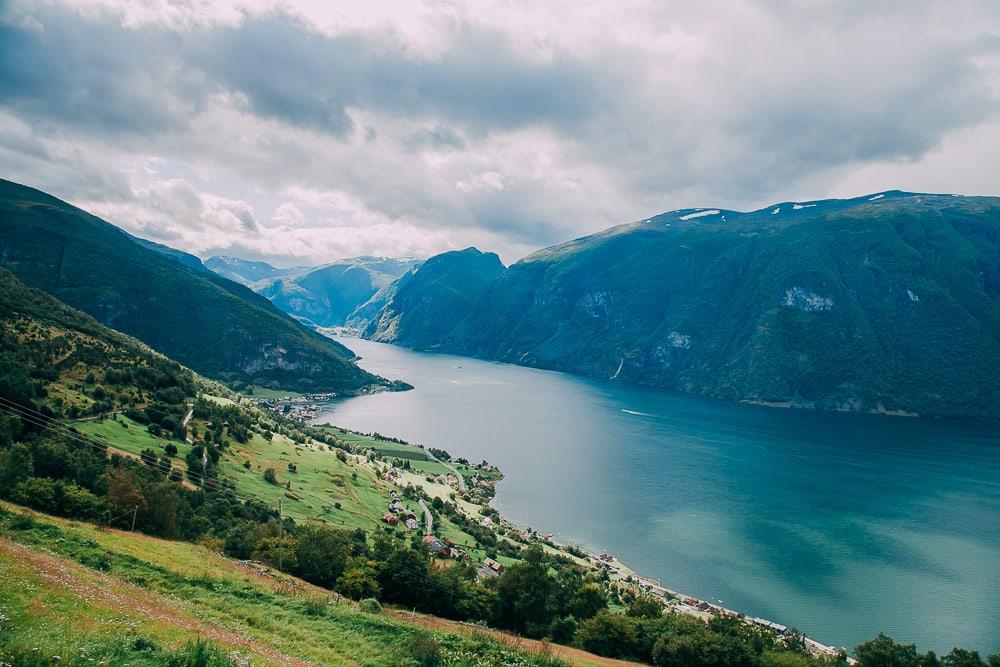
x: 89, y: 591
x: 320, y: 480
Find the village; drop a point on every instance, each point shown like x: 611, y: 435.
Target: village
x: 470, y: 494
x: 621, y: 578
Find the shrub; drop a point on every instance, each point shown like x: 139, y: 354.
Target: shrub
x: 170, y: 448
x: 562, y: 630
x: 270, y: 476
x: 370, y: 606
x: 424, y: 650
x: 37, y: 493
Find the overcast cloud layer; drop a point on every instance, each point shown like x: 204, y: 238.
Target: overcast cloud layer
x: 302, y: 134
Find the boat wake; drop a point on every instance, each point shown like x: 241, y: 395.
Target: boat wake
x: 637, y: 413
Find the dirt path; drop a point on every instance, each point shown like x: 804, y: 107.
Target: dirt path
x: 428, y: 518
x: 128, y: 599
x: 572, y: 655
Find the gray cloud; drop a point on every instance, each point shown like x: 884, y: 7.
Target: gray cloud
x: 453, y: 127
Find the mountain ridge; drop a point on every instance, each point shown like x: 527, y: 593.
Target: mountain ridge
x: 889, y: 302
x: 212, y: 325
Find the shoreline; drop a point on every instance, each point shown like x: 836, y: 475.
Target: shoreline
x: 621, y: 576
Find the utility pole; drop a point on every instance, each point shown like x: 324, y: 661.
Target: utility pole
x: 135, y: 510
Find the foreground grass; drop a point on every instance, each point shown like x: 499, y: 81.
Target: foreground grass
x: 95, y: 596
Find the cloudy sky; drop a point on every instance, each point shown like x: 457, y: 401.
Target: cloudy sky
x: 303, y: 132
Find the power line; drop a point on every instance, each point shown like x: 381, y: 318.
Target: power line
x: 39, y: 419
x: 36, y: 418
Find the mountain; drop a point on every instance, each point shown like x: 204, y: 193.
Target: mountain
x: 48, y: 348
x: 431, y: 301
x: 210, y: 324
x: 244, y: 271
x: 185, y: 258
x: 329, y: 295
x: 883, y: 303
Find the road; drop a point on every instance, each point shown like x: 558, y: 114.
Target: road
x: 428, y: 519
x: 461, y: 480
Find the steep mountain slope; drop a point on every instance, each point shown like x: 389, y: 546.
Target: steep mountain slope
x: 210, y: 324
x: 328, y: 295
x: 430, y: 302
x: 244, y: 271
x: 185, y: 258
x: 889, y: 302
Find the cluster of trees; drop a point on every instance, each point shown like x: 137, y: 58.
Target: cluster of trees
x: 884, y: 652
x: 56, y: 474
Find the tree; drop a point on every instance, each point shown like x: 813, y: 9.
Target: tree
x: 16, y: 465
x: 587, y: 601
x: 277, y: 552
x: 960, y: 657
x: 705, y: 649
x: 612, y: 635
x: 270, y: 476
x: 358, y: 581
x: 645, y: 606
x: 123, y: 494
x: 167, y: 511
x: 80, y: 503
x: 884, y: 652
x: 403, y: 576
x: 562, y: 630
x: 321, y: 554
x: 37, y: 493
x: 525, y: 593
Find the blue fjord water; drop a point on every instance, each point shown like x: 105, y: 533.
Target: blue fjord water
x: 840, y: 525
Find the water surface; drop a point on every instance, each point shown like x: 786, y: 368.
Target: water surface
x: 840, y: 525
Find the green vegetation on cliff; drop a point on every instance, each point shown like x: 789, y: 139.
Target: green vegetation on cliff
x: 884, y: 303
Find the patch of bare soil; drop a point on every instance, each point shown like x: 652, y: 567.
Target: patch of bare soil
x: 125, y: 598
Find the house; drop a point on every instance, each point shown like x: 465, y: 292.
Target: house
x: 390, y: 518
x: 493, y: 565
x: 487, y: 522
x: 606, y: 557
x: 412, y: 523
x: 395, y: 506
x: 437, y: 546
x: 486, y: 573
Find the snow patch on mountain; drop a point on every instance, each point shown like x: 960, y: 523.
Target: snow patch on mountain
x: 700, y: 214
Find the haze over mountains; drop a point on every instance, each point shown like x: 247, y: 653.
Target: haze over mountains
x: 884, y: 303
x: 156, y: 294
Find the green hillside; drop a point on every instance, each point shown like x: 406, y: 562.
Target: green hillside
x: 883, y: 303
x: 430, y: 302
x: 220, y: 329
